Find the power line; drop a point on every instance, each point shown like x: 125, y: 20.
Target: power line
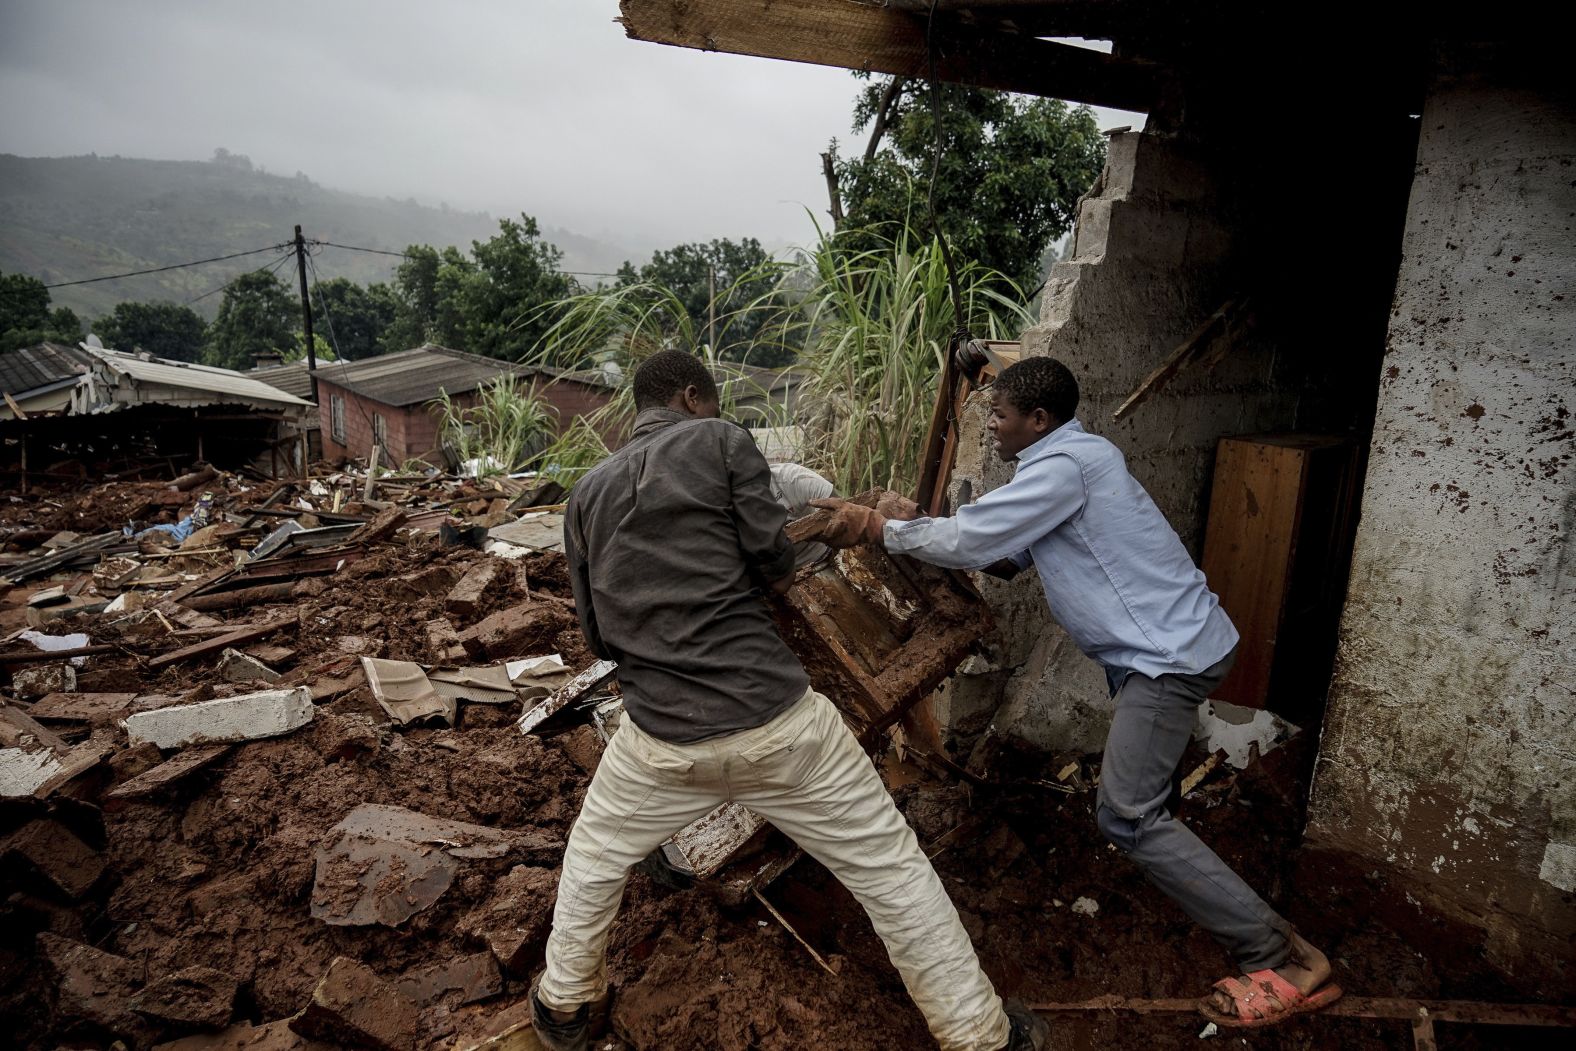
x: 162, y: 269
x: 270, y: 269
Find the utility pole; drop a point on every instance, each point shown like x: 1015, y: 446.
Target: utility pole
x: 306, y: 313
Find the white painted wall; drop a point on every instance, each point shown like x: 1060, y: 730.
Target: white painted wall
x: 1449, y: 756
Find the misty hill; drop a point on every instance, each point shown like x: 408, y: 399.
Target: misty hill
x: 67, y: 218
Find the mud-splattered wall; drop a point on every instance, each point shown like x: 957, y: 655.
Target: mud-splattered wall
x: 1448, y: 763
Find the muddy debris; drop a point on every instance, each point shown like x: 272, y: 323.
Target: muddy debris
x: 354, y: 880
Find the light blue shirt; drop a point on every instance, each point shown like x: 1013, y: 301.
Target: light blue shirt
x: 1115, y: 573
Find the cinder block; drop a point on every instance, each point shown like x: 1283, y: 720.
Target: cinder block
x: 245, y: 718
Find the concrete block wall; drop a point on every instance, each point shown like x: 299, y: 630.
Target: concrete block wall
x: 1448, y: 763
x: 1154, y: 256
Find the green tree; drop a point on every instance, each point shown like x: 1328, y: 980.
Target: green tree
x: 257, y: 315
x: 737, y: 283
x: 356, y: 317
x: 165, y: 330
x: 26, y: 317
x: 1011, y: 171
x: 424, y: 308
x: 515, y: 274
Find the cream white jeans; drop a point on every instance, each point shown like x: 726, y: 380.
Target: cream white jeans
x: 806, y: 774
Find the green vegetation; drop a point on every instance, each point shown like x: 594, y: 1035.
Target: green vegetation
x: 726, y: 290
x: 877, y: 324
x: 26, y: 316
x: 257, y: 316
x: 505, y: 430
x: 165, y: 330
x: 1011, y: 171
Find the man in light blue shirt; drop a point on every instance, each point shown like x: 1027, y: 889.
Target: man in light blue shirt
x: 1118, y: 579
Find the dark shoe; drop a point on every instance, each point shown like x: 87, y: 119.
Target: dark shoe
x: 1029, y: 1031
x: 573, y: 1035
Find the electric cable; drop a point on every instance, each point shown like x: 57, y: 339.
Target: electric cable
x: 173, y: 266
x: 270, y: 269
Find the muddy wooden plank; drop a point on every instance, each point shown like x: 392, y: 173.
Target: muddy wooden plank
x: 217, y: 645
x: 171, y: 770
x: 81, y: 707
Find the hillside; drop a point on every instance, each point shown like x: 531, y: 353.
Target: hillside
x: 66, y: 218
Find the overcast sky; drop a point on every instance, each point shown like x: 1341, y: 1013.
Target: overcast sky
x: 507, y: 106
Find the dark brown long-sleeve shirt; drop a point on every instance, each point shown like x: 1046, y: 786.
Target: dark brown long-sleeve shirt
x: 668, y: 541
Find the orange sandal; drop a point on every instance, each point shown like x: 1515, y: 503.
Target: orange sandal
x: 1265, y: 998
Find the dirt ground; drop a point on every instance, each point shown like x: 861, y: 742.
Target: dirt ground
x: 217, y: 871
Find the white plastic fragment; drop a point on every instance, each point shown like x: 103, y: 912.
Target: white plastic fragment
x: 246, y: 718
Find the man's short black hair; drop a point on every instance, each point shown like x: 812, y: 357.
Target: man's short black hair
x: 1040, y: 383
x: 666, y: 373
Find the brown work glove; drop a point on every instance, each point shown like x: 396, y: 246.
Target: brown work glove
x: 846, y: 525
x: 899, y: 508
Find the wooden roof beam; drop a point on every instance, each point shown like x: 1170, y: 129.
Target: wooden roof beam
x: 854, y: 35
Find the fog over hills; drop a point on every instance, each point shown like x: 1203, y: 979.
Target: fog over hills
x: 68, y: 218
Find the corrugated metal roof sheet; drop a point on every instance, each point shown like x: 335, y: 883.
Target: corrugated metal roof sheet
x: 31, y: 368
x: 292, y: 379
x: 411, y: 377
x: 208, y: 385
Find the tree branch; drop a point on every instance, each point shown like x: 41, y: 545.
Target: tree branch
x: 884, y: 114
x: 829, y: 169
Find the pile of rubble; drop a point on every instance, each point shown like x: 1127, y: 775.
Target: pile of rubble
x: 301, y: 779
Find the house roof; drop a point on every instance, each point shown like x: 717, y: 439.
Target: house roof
x: 41, y: 366
x: 292, y: 379
x: 413, y: 377
x: 117, y: 380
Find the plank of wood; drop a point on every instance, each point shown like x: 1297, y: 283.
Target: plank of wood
x: 882, y: 40
x: 211, y: 646
x: 1469, y: 1012
x: 180, y: 765
x: 31, y: 656
x: 80, y: 707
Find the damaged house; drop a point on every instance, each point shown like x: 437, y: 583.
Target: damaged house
x: 108, y: 408
x: 1353, y: 252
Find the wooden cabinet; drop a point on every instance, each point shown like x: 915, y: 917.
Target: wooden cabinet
x: 1277, y: 550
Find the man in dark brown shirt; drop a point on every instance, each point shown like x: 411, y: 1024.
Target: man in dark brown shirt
x: 672, y: 541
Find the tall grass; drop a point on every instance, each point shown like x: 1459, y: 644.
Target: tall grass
x: 877, y: 325
x: 505, y: 430
x: 872, y: 327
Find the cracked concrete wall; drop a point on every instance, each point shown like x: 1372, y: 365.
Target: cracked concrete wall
x: 1448, y: 762
x: 1165, y: 238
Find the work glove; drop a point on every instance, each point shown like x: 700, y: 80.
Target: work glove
x: 897, y: 507
x: 847, y: 524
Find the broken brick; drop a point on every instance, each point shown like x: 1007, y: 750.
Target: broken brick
x: 56, y: 854
x: 352, y: 1005
x: 95, y: 987
x: 464, y: 980
x: 465, y: 600
x: 197, y: 996
x: 235, y: 666
x: 514, y: 921
x: 244, y: 718
x: 513, y: 631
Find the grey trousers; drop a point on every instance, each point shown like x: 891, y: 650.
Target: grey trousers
x: 1154, y: 719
